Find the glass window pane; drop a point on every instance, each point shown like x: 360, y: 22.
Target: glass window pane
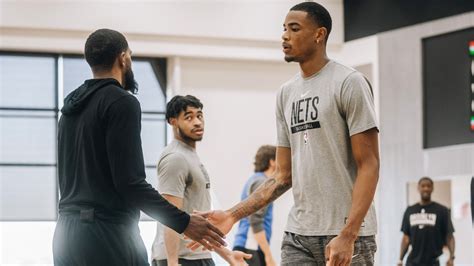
x: 151, y: 176
x: 27, y: 137
x: 27, y: 81
x: 150, y: 94
x: 76, y: 70
x: 28, y: 193
x: 153, y: 138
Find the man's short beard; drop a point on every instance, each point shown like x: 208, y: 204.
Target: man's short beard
x: 130, y: 84
x: 186, y: 137
x: 289, y: 58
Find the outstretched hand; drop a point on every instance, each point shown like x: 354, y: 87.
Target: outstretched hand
x: 204, y: 233
x: 222, y: 220
x: 238, y: 258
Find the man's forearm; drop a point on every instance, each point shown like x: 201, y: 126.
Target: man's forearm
x: 451, y: 245
x: 362, y: 197
x: 404, y: 247
x: 271, y: 189
x: 261, y: 239
x: 224, y: 253
x: 172, y: 246
x: 403, y: 252
x: 172, y: 238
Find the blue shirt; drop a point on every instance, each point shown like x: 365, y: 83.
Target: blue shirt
x: 244, y: 224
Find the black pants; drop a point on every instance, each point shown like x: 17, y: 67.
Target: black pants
x: 96, y: 242
x: 258, y: 258
x: 184, y: 262
x: 435, y: 263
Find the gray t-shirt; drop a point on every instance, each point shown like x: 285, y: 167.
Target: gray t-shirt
x: 315, y: 118
x: 181, y: 174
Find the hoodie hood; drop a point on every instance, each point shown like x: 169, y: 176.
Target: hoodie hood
x: 78, y: 99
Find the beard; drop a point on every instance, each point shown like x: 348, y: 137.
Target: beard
x: 129, y: 82
x: 289, y: 58
x: 186, y: 137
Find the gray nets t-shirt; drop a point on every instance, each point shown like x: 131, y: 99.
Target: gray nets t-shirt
x: 181, y: 174
x: 315, y: 118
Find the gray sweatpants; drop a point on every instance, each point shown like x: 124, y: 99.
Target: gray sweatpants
x: 309, y: 250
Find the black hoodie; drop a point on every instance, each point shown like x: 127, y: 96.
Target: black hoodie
x: 101, y: 161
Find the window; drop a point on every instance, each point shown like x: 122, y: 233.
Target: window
x: 76, y: 70
x: 28, y: 115
x: 31, y: 90
x: 28, y: 193
x: 153, y: 102
x: 27, y: 81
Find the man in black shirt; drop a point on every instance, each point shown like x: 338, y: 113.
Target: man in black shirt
x: 101, y: 169
x: 427, y: 227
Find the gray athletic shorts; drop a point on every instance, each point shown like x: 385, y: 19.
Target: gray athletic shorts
x: 309, y: 250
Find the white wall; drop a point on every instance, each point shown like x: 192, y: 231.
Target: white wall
x: 199, y: 28
x: 227, y: 19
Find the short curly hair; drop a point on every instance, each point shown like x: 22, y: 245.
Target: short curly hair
x: 179, y: 104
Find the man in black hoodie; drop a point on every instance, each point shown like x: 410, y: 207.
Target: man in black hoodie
x: 101, y: 169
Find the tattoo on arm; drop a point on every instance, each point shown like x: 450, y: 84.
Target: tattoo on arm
x: 270, y: 190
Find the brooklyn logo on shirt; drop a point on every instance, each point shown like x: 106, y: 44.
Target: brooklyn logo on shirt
x: 304, y: 114
x: 422, y: 219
